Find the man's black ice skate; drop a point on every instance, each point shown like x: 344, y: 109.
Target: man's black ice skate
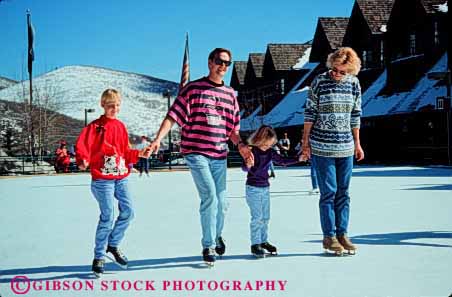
x: 221, y: 247
x: 119, y: 258
x: 257, y: 251
x: 271, y: 249
x: 208, y: 255
x: 98, y: 267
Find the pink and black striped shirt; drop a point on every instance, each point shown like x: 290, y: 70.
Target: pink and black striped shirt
x: 208, y: 114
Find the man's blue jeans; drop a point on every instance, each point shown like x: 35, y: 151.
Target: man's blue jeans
x: 209, y: 176
x: 105, y: 191
x: 334, y: 175
x: 258, y: 199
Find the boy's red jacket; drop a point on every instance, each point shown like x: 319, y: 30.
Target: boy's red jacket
x: 104, y: 143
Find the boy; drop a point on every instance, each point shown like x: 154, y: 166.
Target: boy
x: 104, y: 146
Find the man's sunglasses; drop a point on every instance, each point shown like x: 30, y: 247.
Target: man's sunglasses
x: 219, y: 61
x: 338, y: 72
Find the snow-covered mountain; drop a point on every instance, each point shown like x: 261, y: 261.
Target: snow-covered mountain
x: 6, y: 82
x: 73, y: 89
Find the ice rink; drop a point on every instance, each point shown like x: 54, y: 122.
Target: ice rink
x: 401, y: 220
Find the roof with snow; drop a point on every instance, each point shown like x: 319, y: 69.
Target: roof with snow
x: 375, y: 12
x: 285, y: 56
x: 288, y: 112
x: 423, y: 95
x: 334, y: 28
x: 433, y: 6
x: 257, y: 63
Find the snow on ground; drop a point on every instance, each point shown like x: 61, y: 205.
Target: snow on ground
x: 400, y: 220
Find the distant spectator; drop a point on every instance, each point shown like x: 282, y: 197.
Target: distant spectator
x: 143, y: 163
x: 62, y: 158
x: 284, y: 145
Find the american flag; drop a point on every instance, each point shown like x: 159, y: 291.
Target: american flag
x: 185, y: 76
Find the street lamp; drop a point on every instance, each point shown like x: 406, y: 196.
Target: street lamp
x: 167, y: 94
x: 86, y: 114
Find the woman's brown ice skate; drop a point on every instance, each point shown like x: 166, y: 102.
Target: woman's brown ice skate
x: 347, y: 244
x: 331, y: 244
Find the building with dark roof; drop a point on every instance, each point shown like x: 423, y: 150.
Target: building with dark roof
x: 329, y: 34
x: 366, y: 35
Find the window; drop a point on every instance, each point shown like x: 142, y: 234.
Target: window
x: 439, y: 103
x: 413, y: 43
x: 282, y: 86
x: 382, y: 53
x: 364, y: 59
x: 367, y: 59
x: 436, y: 34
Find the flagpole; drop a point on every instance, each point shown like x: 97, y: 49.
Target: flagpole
x: 30, y: 72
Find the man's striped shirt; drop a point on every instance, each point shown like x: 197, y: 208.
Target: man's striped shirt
x: 334, y: 108
x: 208, y: 114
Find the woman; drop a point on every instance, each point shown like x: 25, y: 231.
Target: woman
x: 331, y: 138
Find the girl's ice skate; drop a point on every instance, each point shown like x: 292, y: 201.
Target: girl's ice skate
x: 331, y: 244
x: 208, y: 255
x: 271, y: 249
x: 257, y: 251
x: 347, y: 244
x: 220, y: 249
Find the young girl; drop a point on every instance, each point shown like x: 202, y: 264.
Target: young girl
x: 258, y: 188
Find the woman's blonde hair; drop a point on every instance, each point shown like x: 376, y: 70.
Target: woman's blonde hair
x: 110, y: 95
x: 261, y: 135
x: 345, y: 56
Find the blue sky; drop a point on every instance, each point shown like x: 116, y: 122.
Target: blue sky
x: 148, y: 37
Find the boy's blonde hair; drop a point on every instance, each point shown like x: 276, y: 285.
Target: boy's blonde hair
x: 109, y: 96
x: 261, y: 135
x: 345, y: 56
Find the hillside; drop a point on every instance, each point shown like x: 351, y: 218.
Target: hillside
x: 73, y: 89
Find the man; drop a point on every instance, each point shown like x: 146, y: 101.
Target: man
x: 208, y: 113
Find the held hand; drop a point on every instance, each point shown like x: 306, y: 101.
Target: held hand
x: 249, y: 164
x: 246, y: 154
x: 359, y: 153
x: 306, y: 153
x: 154, y: 147
x: 83, y: 165
x: 145, y: 153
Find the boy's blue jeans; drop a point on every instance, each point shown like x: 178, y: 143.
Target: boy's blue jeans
x: 258, y: 199
x: 334, y: 175
x: 105, y: 191
x: 209, y: 176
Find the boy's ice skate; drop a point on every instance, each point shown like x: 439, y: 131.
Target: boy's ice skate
x: 269, y: 248
x: 98, y: 267
x: 208, y: 255
x: 257, y: 251
x: 331, y: 244
x: 118, y: 257
x: 347, y: 244
x: 220, y: 249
